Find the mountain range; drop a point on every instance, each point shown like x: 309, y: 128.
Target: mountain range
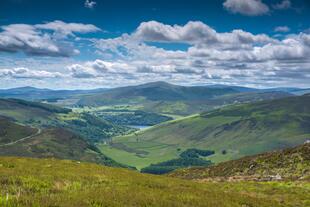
x: 158, y: 97
x: 218, y: 141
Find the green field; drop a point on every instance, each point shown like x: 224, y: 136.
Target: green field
x: 155, y: 153
x: 49, y: 182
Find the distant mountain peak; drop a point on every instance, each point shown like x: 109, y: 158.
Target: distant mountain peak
x: 24, y: 88
x: 28, y: 88
x: 158, y: 83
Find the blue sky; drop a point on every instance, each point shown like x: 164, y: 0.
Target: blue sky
x: 89, y: 44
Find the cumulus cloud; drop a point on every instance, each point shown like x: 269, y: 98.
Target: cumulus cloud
x: 191, y: 32
x: 98, y: 68
x: 205, y: 42
x: 235, y: 56
x: 285, y: 4
x: 293, y: 48
x: 197, y: 33
x: 101, y: 68
x: 66, y: 29
x: 232, y: 57
x: 246, y: 7
x: 33, y: 40
x: 29, y: 74
x: 90, y: 4
x: 282, y: 29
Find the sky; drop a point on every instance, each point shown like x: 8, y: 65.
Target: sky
x: 83, y: 44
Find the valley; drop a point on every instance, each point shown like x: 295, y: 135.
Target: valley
x: 188, y: 103
x: 210, y: 145
x: 232, y: 132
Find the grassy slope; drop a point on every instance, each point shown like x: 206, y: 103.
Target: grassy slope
x: 10, y: 131
x: 23, y: 112
x: 240, y: 130
x: 45, y: 115
x: 291, y: 164
x: 46, y: 182
x: 51, y: 142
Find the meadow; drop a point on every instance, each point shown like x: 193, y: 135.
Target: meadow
x: 62, y: 183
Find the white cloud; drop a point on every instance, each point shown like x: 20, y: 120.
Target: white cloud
x: 233, y: 57
x: 22, y: 37
x: 29, y: 74
x: 282, y: 29
x: 33, y: 40
x: 293, y: 48
x: 66, y: 29
x: 191, y: 32
x: 90, y: 4
x: 98, y: 68
x: 205, y: 42
x: 285, y: 4
x: 246, y: 7
x: 196, y: 33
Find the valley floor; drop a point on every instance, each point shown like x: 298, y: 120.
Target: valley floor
x: 49, y: 182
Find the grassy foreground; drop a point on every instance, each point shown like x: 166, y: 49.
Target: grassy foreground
x: 49, y: 182
x: 287, y: 164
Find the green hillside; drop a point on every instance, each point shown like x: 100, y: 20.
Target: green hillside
x: 45, y: 115
x: 20, y: 140
x: 10, y: 131
x: 49, y: 182
x: 232, y: 132
x: 27, y: 111
x: 288, y: 164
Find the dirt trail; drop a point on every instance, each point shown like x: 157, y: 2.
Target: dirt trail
x: 22, y: 139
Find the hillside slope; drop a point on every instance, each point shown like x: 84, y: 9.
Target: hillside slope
x: 19, y: 140
x: 11, y: 132
x: 288, y: 164
x: 232, y: 132
x: 50, y: 182
x: 45, y: 115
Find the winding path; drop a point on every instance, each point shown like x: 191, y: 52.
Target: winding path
x: 22, y: 139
